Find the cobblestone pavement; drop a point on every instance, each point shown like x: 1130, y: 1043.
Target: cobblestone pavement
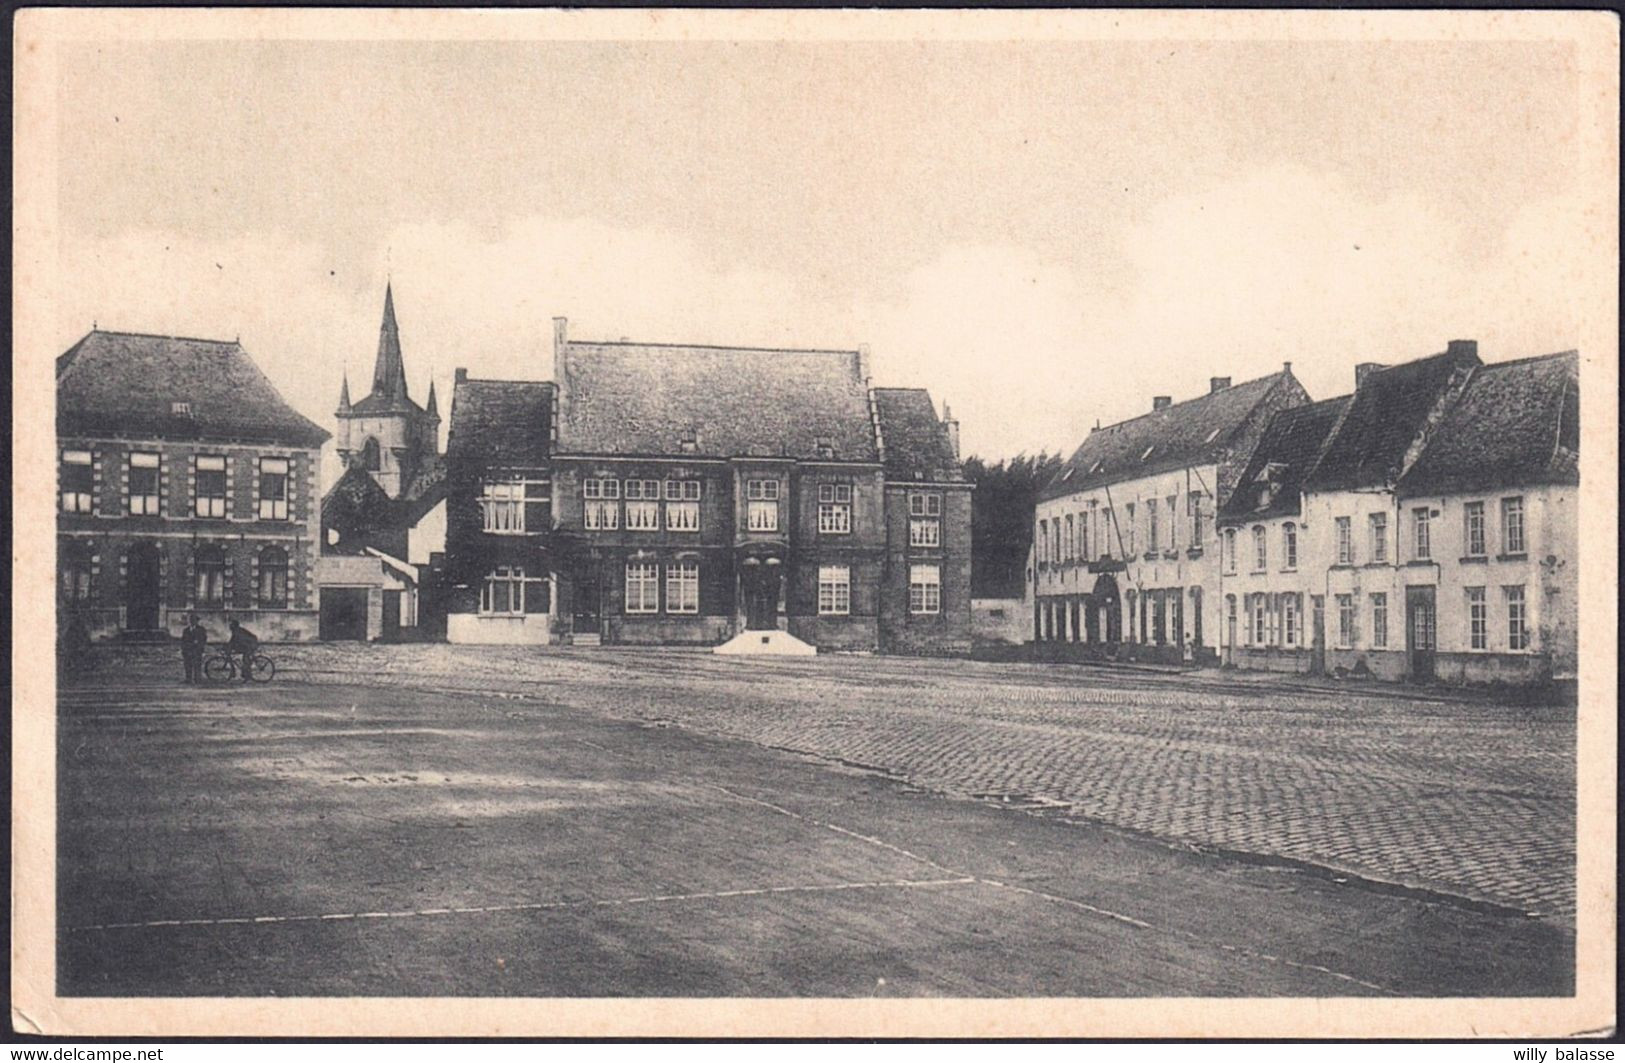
x: 1458, y: 796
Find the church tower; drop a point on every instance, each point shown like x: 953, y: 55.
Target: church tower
x: 386, y: 434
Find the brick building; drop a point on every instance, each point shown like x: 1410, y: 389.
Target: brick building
x: 696, y: 492
x: 1124, y: 540
x: 185, y: 484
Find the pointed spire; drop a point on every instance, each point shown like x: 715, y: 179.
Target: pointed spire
x: 344, y: 393
x: 389, y: 374
x: 433, y: 407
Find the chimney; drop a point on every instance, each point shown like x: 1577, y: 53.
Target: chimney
x: 1462, y: 349
x: 950, y: 425
x: 1365, y: 369
x: 863, y: 363
x: 461, y: 376
x: 1217, y: 383
x: 1162, y: 402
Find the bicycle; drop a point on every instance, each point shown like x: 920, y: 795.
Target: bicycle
x: 222, y: 667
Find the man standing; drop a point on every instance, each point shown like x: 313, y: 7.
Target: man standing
x: 193, y: 642
x: 245, y: 643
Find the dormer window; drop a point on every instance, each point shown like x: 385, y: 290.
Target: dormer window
x: 825, y: 446
x: 688, y: 445
x: 181, y: 409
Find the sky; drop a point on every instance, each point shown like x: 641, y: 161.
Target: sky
x: 1044, y: 234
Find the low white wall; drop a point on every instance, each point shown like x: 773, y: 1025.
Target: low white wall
x: 532, y: 629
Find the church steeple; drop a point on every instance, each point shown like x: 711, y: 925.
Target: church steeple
x: 344, y: 394
x: 433, y: 408
x: 389, y: 374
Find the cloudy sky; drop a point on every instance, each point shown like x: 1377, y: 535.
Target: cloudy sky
x: 1044, y: 234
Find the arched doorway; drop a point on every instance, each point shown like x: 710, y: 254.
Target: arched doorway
x: 1107, y: 608
x: 142, y: 587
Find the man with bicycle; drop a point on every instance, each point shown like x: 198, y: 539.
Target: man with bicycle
x: 243, y: 642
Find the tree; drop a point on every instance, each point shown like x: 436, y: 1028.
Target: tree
x: 1002, y: 520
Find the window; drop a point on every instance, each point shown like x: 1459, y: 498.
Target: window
x: 273, y: 489
x: 144, y: 484
x: 1289, y: 546
x: 642, y: 587
x: 643, y: 505
x: 925, y: 521
x: 1259, y: 636
x: 371, y: 455
x: 1345, y: 620
x: 1133, y: 529
x: 834, y: 590
x: 509, y: 591
x: 1085, y: 542
x: 925, y: 588
x: 1260, y: 548
x: 1345, y: 541
x: 210, y: 497
x: 209, y: 576
x: 516, y: 505
x: 1474, y: 544
x: 683, y: 586
x: 835, y: 509
x: 1289, y: 620
x: 1229, y: 614
x: 601, y: 507
x: 76, y: 569
x: 1043, y: 541
x: 180, y: 409
x: 1173, y: 523
x: 1517, y: 618
x: 1067, y: 540
x: 1055, y: 547
x: 1379, y: 620
x: 1230, y: 549
x: 1195, y: 502
x: 1152, y: 539
x: 683, y: 505
x: 1478, y: 620
x: 1512, y: 540
x: 273, y: 582
x: 78, y: 482
x: 1379, y: 537
x: 1421, y: 517
x: 762, y: 505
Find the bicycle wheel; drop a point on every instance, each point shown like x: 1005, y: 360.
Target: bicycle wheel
x: 218, y: 669
x: 264, y: 669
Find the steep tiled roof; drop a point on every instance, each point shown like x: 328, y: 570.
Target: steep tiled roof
x: 1284, y: 456
x: 125, y: 383
x: 1185, y: 433
x: 1388, y: 413
x: 426, y: 489
x: 1517, y: 423
x: 916, y: 442
x: 500, y: 422
x: 356, y: 500
x: 634, y: 398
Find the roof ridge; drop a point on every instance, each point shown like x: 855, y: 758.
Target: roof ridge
x: 1195, y: 398
x: 238, y: 342
x: 710, y: 347
x: 1554, y: 356
x: 502, y: 380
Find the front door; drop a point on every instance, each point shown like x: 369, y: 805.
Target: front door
x: 141, y: 588
x: 761, y: 587
x: 392, y: 615
x: 1317, y: 647
x: 1420, y: 626
x: 586, y: 606
x: 343, y: 614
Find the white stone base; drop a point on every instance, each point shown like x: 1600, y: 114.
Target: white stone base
x: 768, y: 643
x: 532, y: 629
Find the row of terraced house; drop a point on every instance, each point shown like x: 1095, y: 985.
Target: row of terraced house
x: 771, y: 499
x: 1422, y: 526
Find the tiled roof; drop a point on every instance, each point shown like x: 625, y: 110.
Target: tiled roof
x: 426, y: 489
x: 1517, y: 423
x: 500, y: 422
x: 1389, y: 410
x: 1185, y: 433
x: 1271, y: 484
x: 125, y: 383
x: 916, y: 443
x: 634, y: 398
x: 356, y: 500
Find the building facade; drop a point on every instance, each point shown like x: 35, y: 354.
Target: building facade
x: 185, y: 484
x: 1124, y: 533
x: 1430, y: 533
x: 695, y: 493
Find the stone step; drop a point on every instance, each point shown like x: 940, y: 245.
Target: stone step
x: 582, y: 638
x: 766, y: 643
